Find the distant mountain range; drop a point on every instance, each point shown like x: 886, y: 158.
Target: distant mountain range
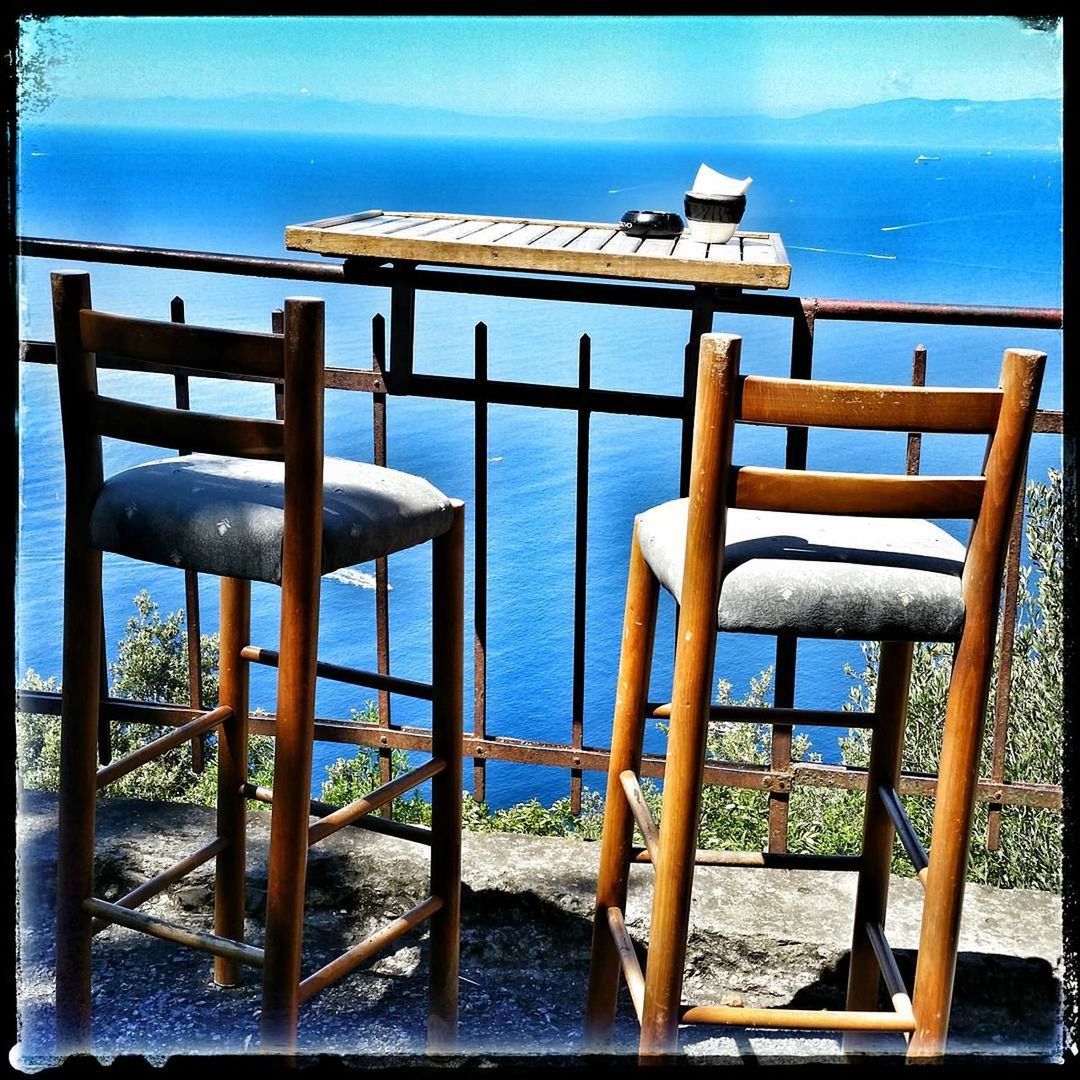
x: 1032, y: 123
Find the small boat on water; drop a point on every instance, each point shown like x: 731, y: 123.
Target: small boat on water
x: 922, y: 159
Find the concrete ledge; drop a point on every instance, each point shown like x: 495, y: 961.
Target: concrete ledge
x: 775, y: 937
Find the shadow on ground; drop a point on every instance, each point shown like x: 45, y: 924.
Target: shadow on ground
x: 526, y: 929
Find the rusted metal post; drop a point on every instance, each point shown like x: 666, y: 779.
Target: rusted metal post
x: 402, y: 327
x: 581, y: 558
x: 182, y: 391
x: 382, y: 565
x: 277, y: 325
x: 802, y: 367
x: 701, y: 322
x: 914, y: 439
x: 480, y: 520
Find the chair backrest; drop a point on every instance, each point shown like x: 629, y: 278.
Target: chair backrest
x: 294, y: 356
x: 1006, y: 414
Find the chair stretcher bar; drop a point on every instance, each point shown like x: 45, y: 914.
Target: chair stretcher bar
x: 894, y: 981
x: 352, y: 676
x: 763, y: 860
x: 122, y: 766
x: 796, y: 1019
x: 639, y: 808
x: 635, y: 981
x: 416, y: 834
x: 159, y: 882
x: 331, y: 823
x: 181, y: 935
x: 909, y: 838
x: 354, y: 957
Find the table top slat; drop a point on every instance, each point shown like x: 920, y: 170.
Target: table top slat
x: 494, y: 230
x: 731, y: 252
x: 591, y: 239
x: 427, y: 228
x: 464, y: 227
x: 754, y: 260
x: 661, y: 247
x: 558, y: 237
x: 359, y: 226
x: 524, y: 236
x: 685, y: 248
x: 621, y: 243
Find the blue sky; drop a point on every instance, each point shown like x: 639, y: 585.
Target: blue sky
x: 560, y: 67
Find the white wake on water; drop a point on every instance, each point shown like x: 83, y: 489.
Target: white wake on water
x: 349, y: 575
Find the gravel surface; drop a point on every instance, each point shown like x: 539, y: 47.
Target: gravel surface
x: 774, y: 938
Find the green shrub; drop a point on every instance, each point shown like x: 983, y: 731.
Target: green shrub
x: 151, y: 665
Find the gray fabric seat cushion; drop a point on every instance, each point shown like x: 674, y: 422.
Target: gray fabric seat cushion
x: 225, y: 515
x: 819, y: 575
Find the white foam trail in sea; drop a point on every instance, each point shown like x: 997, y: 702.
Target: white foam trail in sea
x: 348, y: 575
x: 950, y: 220
x: 837, y: 251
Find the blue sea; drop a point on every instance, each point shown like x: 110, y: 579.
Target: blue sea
x: 965, y: 228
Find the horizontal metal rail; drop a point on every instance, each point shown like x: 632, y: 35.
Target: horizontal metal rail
x: 745, y: 714
x: 490, y: 392
x: 119, y: 710
x: 537, y: 288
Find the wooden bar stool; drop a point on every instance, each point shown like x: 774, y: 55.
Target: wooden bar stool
x: 811, y: 554
x: 255, y: 500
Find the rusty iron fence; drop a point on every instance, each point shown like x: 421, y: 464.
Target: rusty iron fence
x: 390, y: 373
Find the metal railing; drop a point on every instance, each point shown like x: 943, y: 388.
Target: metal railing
x: 391, y: 374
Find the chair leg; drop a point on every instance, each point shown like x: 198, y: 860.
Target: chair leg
x: 289, y: 819
x: 890, y: 708
x: 678, y: 837
x: 232, y: 773
x: 78, y: 794
x: 635, y: 664
x: 950, y: 841
x: 448, y: 618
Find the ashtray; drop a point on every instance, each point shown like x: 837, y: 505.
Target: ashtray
x: 657, y: 223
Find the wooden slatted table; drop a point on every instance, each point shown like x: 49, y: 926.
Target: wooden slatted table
x: 751, y: 260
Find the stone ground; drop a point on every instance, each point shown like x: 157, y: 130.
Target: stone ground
x: 775, y: 937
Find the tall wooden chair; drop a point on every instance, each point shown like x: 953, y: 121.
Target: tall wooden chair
x: 254, y: 501
x: 811, y: 554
